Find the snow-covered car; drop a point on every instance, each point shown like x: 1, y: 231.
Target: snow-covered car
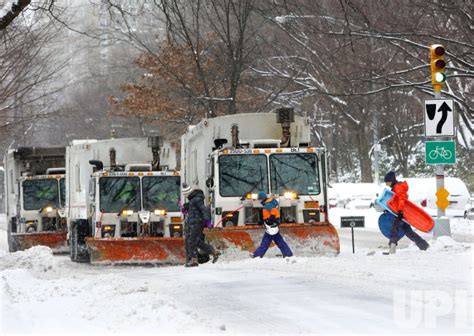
x: 422, y: 191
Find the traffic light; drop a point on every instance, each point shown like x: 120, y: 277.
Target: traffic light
x: 438, y: 66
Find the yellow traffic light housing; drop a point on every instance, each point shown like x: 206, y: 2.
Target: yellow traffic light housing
x: 438, y: 66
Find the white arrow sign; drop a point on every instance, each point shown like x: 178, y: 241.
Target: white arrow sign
x: 439, y: 118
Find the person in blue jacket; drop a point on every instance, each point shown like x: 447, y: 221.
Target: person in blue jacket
x: 271, y: 219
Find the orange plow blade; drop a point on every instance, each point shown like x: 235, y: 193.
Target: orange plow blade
x: 303, y: 239
x: 148, y: 250
x: 57, y: 241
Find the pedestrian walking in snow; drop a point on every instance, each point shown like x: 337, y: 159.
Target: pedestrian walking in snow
x: 401, y: 195
x: 271, y: 219
x: 198, y: 216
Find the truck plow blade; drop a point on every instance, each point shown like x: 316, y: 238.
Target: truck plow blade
x: 142, y: 250
x: 57, y: 241
x: 303, y: 239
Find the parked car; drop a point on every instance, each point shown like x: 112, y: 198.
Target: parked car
x: 422, y: 191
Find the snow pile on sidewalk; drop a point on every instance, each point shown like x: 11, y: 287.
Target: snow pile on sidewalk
x: 38, y: 259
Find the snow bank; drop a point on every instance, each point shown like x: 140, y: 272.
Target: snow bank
x: 101, y: 304
x: 299, y: 295
x: 38, y: 259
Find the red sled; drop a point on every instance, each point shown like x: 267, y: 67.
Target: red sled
x: 414, y: 215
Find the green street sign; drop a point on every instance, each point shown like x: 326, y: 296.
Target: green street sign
x: 440, y: 152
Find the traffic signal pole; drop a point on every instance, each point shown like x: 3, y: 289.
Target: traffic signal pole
x: 442, y: 227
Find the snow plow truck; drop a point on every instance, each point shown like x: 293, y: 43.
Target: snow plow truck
x: 122, y: 202
x: 231, y: 158
x: 35, y: 196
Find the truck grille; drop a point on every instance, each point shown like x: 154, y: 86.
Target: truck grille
x: 311, y: 216
x: 288, y: 214
x: 253, y: 216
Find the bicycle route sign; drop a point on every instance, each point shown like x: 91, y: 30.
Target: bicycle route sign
x: 440, y: 152
x: 439, y: 118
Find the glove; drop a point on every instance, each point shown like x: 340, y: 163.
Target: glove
x: 400, y: 215
x: 208, y: 224
x: 184, y: 208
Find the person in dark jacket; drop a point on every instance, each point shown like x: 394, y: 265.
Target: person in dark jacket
x: 198, y: 216
x: 401, y: 196
x: 271, y: 219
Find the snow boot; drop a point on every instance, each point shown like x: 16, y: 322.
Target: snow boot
x: 215, y: 256
x: 193, y: 262
x: 424, y: 246
x: 392, y: 248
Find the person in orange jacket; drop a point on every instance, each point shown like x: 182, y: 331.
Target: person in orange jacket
x: 271, y: 219
x: 401, y: 196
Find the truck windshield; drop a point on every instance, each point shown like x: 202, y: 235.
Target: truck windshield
x: 161, y: 192
x: 119, y: 193
x: 296, y: 172
x: 38, y: 194
x: 62, y: 192
x: 242, y: 174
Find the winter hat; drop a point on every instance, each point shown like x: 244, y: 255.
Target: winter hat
x: 186, y: 189
x: 390, y: 177
x: 261, y: 195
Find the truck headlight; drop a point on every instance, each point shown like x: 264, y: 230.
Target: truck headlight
x: 108, y: 231
x: 48, y: 209
x: 251, y: 196
x: 160, y: 212
x: 126, y: 212
x: 290, y: 195
x: 230, y: 218
x: 176, y: 230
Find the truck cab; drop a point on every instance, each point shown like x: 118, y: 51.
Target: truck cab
x: 122, y: 201
x: 42, y: 203
x: 292, y: 175
x: 35, y: 198
x: 135, y: 204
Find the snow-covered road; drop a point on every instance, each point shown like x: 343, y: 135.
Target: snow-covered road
x: 365, y: 292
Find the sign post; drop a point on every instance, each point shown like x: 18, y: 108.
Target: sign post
x: 352, y: 222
